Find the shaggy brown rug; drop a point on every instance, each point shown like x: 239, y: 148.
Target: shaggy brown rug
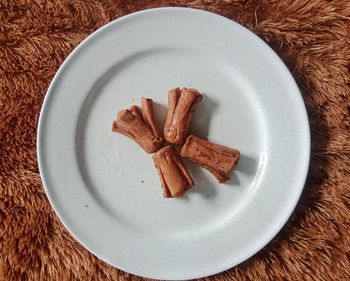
x: 311, y: 36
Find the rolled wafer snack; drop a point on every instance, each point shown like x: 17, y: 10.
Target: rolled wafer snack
x: 173, y: 174
x: 218, y: 159
x: 139, y: 125
x: 182, y: 104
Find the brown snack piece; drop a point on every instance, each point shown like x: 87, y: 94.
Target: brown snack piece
x: 139, y: 125
x: 182, y: 104
x: 217, y: 159
x: 173, y: 174
x: 148, y: 115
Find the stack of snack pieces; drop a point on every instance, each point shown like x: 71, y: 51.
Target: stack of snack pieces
x: 139, y: 125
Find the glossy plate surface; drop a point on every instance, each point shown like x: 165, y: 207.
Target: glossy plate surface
x: 106, y: 190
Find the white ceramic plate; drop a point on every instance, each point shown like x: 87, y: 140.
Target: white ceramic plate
x: 106, y: 190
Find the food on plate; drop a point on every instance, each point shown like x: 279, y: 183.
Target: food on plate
x: 139, y: 125
x: 173, y: 174
x: 217, y: 159
x: 182, y: 104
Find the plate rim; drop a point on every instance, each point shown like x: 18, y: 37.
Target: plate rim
x: 50, y: 92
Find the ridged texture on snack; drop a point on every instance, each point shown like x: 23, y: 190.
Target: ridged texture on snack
x: 182, y: 104
x: 218, y: 159
x: 140, y: 126
x: 173, y: 174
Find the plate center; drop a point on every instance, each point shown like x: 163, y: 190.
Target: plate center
x: 121, y: 176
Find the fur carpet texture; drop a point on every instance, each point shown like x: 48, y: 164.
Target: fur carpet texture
x: 313, y: 39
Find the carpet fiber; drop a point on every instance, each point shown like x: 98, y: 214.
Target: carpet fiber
x: 313, y: 39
